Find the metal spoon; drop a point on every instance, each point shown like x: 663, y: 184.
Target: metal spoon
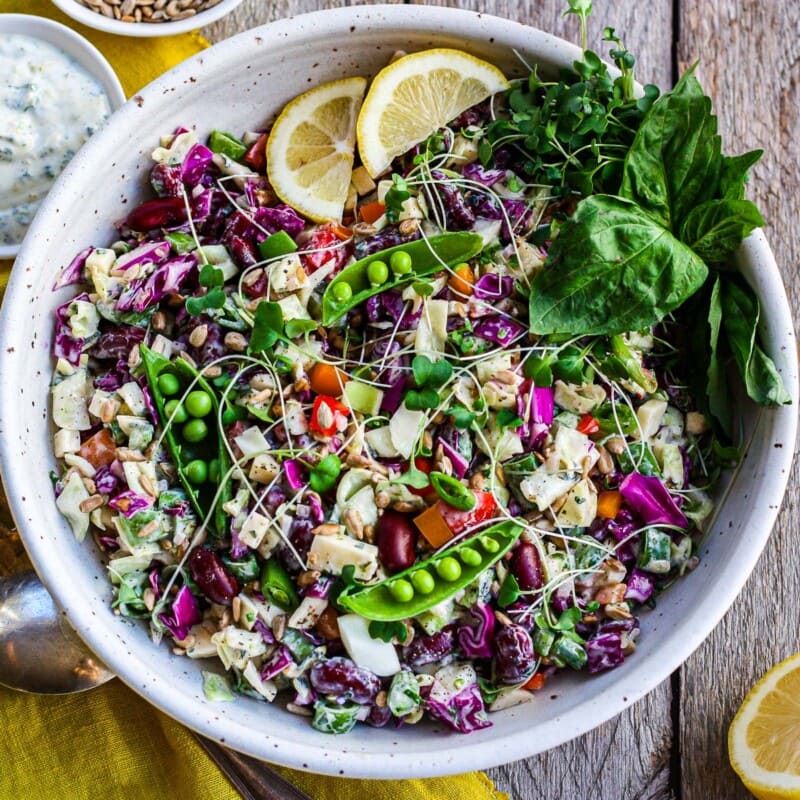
x: 40, y: 653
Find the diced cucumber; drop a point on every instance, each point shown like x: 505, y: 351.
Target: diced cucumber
x: 363, y: 397
x: 570, y: 652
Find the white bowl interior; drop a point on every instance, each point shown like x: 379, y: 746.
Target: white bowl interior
x: 100, y: 22
x: 251, y: 77
x: 77, y: 48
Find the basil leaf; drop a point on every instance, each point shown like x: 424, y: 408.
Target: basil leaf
x: 612, y: 269
x: 538, y: 370
x: 197, y: 305
x: 674, y: 162
x: 716, y: 228
x: 740, y: 314
x: 733, y: 174
x: 267, y: 326
x: 719, y: 399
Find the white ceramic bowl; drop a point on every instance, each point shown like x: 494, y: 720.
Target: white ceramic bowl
x: 85, y: 15
x: 77, y: 48
x: 250, y: 77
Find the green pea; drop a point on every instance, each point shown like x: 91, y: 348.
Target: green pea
x: 213, y: 470
x: 196, y: 471
x: 400, y: 262
x: 402, y: 591
x: 169, y: 384
x: 377, y: 273
x: 449, y: 569
x: 342, y: 292
x: 423, y: 581
x: 180, y: 414
x: 198, y: 403
x: 470, y: 556
x: 195, y: 431
x: 489, y: 544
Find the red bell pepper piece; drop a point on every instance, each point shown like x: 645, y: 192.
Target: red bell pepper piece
x: 328, y: 415
x: 588, y: 425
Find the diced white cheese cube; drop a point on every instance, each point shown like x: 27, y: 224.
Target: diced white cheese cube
x: 375, y: 655
x: 66, y: 442
x: 650, y: 415
x: 176, y: 150
x: 81, y: 464
x: 69, y: 402
x: 580, y: 507
x: 544, y: 488
x: 404, y: 428
x: 162, y: 346
x: 202, y: 647
x: 84, y: 319
x: 99, y: 398
x: 491, y: 366
x: 251, y: 442
x: 133, y: 397
x: 264, y: 468
x: 295, y: 418
x: 333, y: 553
x: 573, y: 447
x: 305, y: 616
x: 254, y: 530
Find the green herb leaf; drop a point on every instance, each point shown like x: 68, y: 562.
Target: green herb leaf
x: 324, y: 475
x: 421, y: 367
x: 538, y: 370
x: 674, y: 162
x: 506, y: 418
x: 386, y: 631
x: 462, y: 417
x: 716, y: 228
x: 509, y: 591
x: 414, y: 477
x: 734, y: 172
x: 211, y: 276
x: 213, y: 299
x: 423, y: 288
x: 297, y: 327
x: 719, y: 399
x: 182, y: 243
x: 395, y: 197
x: 422, y: 400
x: 267, y: 327
x: 568, y: 619
x: 612, y: 269
x: 740, y: 314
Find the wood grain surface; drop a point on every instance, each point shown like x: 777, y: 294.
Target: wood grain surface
x: 671, y: 745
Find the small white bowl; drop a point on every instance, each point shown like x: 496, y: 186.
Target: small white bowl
x: 86, y: 16
x: 76, y: 47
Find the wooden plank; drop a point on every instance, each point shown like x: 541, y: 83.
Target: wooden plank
x: 629, y: 757
x: 751, y: 67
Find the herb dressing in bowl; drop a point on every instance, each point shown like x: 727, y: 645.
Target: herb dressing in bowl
x: 49, y: 106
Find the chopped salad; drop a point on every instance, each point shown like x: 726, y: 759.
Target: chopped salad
x: 363, y: 464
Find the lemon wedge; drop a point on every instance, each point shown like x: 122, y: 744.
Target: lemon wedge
x: 415, y: 96
x: 310, y: 149
x: 764, y: 737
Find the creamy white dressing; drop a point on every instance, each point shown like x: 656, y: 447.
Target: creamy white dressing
x: 49, y: 106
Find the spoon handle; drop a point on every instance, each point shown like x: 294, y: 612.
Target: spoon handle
x: 253, y: 779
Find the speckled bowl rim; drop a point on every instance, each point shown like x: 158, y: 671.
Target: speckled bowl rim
x: 147, y: 30
x: 78, y: 48
x: 518, y: 732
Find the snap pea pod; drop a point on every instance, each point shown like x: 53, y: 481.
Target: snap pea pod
x: 184, y: 452
x: 426, y: 255
x: 429, y: 582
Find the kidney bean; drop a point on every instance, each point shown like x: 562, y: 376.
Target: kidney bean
x: 428, y: 649
x: 342, y: 678
x: 527, y: 566
x: 157, y: 214
x: 514, y: 657
x: 211, y: 576
x: 396, y: 539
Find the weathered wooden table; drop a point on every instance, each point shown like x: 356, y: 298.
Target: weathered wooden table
x: 672, y: 744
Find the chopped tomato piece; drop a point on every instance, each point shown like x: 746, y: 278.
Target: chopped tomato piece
x: 328, y: 415
x: 535, y: 683
x: 371, y: 212
x: 588, y: 425
x: 256, y: 156
x: 458, y: 521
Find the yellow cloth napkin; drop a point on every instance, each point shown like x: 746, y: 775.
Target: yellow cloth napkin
x: 109, y: 742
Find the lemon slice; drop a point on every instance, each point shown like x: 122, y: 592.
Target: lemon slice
x: 764, y: 737
x: 310, y: 148
x: 415, y: 96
